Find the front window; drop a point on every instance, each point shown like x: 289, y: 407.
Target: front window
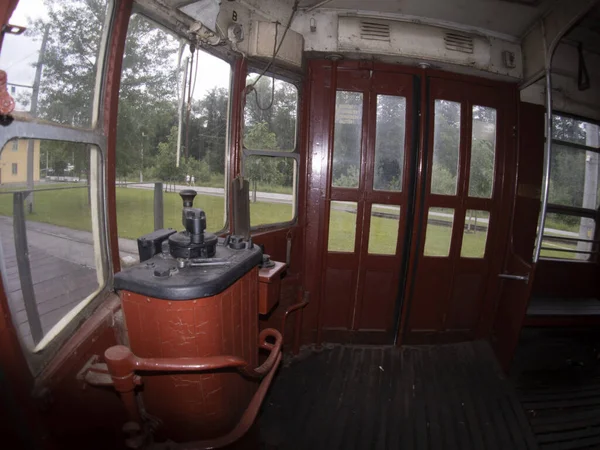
x: 270, y: 149
x: 574, y: 195
x: 172, y: 133
x: 53, y: 252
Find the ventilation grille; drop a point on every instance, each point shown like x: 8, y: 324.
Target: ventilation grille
x: 458, y: 42
x: 374, y: 31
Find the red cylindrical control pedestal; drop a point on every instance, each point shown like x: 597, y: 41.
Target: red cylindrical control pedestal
x: 196, y: 406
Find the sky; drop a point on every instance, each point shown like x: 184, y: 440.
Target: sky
x: 19, y: 53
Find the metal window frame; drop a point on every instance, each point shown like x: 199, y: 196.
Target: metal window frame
x: 26, y: 127
x: 293, y: 154
x: 576, y: 211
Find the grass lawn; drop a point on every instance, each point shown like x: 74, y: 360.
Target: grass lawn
x: 135, y: 210
x: 69, y: 208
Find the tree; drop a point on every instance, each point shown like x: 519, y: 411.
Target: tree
x: 445, y: 147
x: 389, y: 142
x: 147, y: 97
x: 347, y: 139
x: 70, y: 59
x: 208, y: 129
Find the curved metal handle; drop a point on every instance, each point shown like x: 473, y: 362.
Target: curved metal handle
x: 508, y: 276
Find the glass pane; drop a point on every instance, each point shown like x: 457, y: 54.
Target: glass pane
x: 271, y: 189
x: 446, y: 143
x: 559, y: 234
x: 58, y: 227
x: 439, y: 231
x: 150, y: 146
x: 576, y: 131
x: 475, y: 234
x: 342, y: 227
x: 574, y: 177
x: 389, y: 143
x: 383, y: 233
x: 483, y: 152
x: 270, y: 114
x: 347, y: 135
x: 52, y: 67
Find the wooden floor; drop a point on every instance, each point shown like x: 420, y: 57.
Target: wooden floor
x: 62, y: 268
x: 430, y: 397
x: 557, y: 374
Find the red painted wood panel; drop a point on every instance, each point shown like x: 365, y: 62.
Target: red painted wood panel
x: 339, y: 289
x: 196, y: 406
x: 375, y: 308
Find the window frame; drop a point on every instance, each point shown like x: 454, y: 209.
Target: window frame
x: 577, y: 211
x: 293, y: 154
x: 24, y: 127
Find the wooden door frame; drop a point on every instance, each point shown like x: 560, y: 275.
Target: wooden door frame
x: 321, y: 78
x: 370, y: 84
x: 509, y: 102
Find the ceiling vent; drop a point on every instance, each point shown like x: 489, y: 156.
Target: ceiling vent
x: 458, y: 42
x: 374, y: 31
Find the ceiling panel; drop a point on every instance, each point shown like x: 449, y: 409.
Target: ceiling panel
x: 508, y: 17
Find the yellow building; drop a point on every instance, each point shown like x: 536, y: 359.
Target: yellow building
x: 13, y: 162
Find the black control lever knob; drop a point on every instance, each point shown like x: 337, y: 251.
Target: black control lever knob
x: 188, y: 195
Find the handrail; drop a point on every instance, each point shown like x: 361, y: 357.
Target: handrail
x: 550, y: 48
x: 122, y: 365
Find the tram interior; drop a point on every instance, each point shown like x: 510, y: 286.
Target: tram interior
x: 300, y: 224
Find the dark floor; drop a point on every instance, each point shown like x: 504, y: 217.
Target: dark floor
x: 557, y: 375
x: 430, y: 397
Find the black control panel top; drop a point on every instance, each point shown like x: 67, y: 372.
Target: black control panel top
x: 165, y: 277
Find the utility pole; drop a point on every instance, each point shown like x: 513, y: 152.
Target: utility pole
x: 181, y: 112
x: 590, y: 190
x: 34, y: 106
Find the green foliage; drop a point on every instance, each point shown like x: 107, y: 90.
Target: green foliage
x: 350, y: 179
x: 69, y: 61
x: 389, y: 142
x: 275, y: 105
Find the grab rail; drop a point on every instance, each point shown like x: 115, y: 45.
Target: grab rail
x: 122, y: 365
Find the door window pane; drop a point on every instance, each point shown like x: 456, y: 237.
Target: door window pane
x: 62, y: 46
x: 271, y: 189
x: 561, y: 234
x: 446, y: 144
x: 438, y: 234
x: 389, y: 143
x: 270, y: 114
x: 342, y: 227
x: 60, y: 201
x: 347, y: 139
x: 574, y: 177
x: 475, y: 234
x: 483, y: 152
x: 383, y: 232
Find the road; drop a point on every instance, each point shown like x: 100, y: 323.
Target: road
x: 218, y: 192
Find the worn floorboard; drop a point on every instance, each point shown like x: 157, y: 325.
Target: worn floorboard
x: 359, y: 397
x: 557, y: 375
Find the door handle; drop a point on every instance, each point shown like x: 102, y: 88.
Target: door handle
x: 508, y: 276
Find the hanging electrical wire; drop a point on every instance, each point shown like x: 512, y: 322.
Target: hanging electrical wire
x: 189, y: 102
x: 276, y: 48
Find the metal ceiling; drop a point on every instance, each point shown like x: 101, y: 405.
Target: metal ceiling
x: 587, y: 31
x: 512, y: 18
